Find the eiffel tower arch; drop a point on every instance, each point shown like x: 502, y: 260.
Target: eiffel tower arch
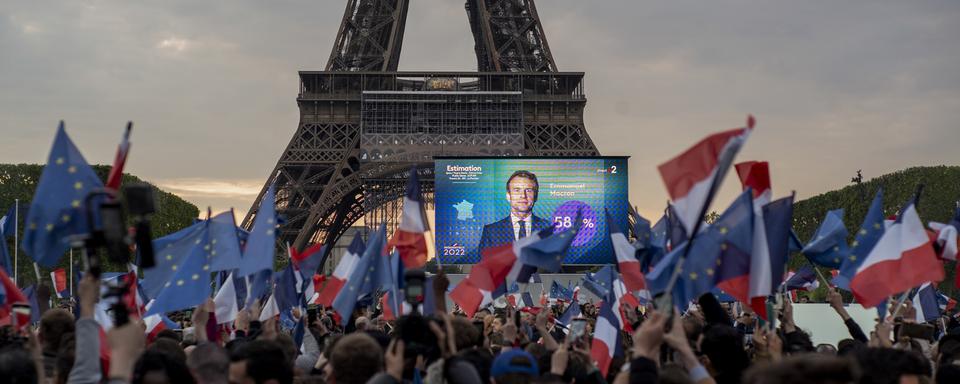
x: 364, y: 125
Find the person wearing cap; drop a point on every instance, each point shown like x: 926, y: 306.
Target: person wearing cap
x: 514, y: 366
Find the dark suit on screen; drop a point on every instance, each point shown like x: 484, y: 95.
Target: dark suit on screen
x: 501, y: 232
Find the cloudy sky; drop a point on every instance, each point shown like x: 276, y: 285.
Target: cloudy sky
x: 211, y: 85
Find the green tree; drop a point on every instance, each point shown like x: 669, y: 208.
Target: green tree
x: 19, y: 181
x: 940, y: 195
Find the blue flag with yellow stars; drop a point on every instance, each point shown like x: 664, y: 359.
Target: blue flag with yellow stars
x: 777, y: 218
x: 720, y: 252
x: 367, y: 276
x: 869, y: 234
x: 600, y: 282
x: 828, y: 247
x: 170, y: 252
x: 548, y: 253
x: 223, y: 243
x: 57, y: 210
x: 261, y: 245
x: 188, y: 286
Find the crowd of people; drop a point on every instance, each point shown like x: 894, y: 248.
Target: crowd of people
x: 711, y: 342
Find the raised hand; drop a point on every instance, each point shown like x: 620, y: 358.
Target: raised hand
x: 126, y: 343
x: 647, y: 339
x: 393, y: 359
x: 677, y: 339
x: 559, y: 360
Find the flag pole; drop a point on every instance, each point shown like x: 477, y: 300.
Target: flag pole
x: 900, y: 301
x: 72, y: 293
x: 426, y: 226
x: 820, y: 275
x: 36, y: 268
x: 714, y: 186
x: 16, y: 237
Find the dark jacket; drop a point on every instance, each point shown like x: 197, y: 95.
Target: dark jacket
x: 501, y: 232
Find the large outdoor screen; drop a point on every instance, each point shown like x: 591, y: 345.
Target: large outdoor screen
x: 485, y: 202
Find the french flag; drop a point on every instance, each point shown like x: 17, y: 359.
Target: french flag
x: 311, y: 293
x: 346, y: 266
x: 11, y: 294
x: 902, y: 259
x: 946, y: 303
x: 947, y: 236
x: 388, y: 304
x: 309, y: 260
x: 756, y: 175
x: 804, y: 279
x: 116, y: 173
x: 510, y: 263
x: 693, y: 176
x: 500, y: 267
x: 627, y: 262
x: 926, y: 304
x: 154, y: 324
x: 225, y: 302
x: 475, y: 291
x: 947, y: 242
x: 606, y: 334
x: 59, y: 278
x: 409, y: 238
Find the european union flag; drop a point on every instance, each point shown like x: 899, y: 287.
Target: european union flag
x: 828, y: 247
x: 558, y: 291
x: 384, y: 276
x: 601, y: 282
x: 721, y: 252
x: 366, y: 276
x: 57, y: 210
x: 285, y: 292
x: 641, y: 229
x: 547, y: 253
x: 8, y: 224
x: 31, y: 294
x: 189, y: 284
x: 260, y: 284
x: 870, y: 232
x: 676, y: 232
x: 170, y: 252
x: 5, y: 224
x: 223, y: 244
x: 658, y: 232
x: 777, y: 217
x: 656, y: 250
x: 261, y: 246
x: 572, y: 311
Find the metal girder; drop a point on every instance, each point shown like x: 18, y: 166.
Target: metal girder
x: 333, y: 173
x: 509, y: 37
x: 370, y: 36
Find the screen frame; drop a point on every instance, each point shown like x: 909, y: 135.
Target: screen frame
x: 624, y: 158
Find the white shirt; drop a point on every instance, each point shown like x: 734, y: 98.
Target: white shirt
x: 516, y: 225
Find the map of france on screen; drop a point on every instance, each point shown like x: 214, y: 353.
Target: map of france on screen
x: 485, y: 202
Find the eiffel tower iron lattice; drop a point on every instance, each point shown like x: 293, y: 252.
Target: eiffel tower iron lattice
x: 364, y: 125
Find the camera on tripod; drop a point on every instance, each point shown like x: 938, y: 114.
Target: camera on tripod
x: 108, y: 230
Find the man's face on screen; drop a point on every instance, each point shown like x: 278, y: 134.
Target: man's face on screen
x: 522, y: 195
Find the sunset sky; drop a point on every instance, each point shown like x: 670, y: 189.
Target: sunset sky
x: 211, y: 85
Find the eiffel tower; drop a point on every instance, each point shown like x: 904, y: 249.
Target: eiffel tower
x: 364, y: 125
